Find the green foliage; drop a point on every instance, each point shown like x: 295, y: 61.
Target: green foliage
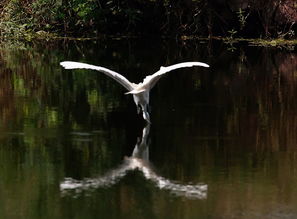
x: 21, y: 19
x: 73, y: 16
x: 232, y: 33
x: 242, y: 16
x: 84, y: 12
x: 84, y: 9
x: 45, y: 13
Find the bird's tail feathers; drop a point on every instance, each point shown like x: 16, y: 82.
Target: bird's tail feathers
x: 135, y: 91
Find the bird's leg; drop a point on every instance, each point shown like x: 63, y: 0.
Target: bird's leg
x: 146, y: 116
x: 149, y: 108
x: 145, y: 113
x: 138, y: 109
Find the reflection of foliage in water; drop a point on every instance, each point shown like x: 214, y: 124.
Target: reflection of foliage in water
x: 242, y: 130
x: 242, y: 111
x: 38, y: 113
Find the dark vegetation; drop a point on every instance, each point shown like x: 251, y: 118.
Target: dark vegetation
x: 202, y: 18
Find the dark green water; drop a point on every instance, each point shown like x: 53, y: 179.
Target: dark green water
x: 222, y: 144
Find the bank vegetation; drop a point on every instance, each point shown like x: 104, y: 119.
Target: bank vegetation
x: 22, y: 19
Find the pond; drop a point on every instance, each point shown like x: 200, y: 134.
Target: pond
x: 222, y: 143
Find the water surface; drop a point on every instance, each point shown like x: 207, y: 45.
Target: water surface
x: 222, y: 143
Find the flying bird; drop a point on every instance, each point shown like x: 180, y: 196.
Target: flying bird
x: 140, y: 91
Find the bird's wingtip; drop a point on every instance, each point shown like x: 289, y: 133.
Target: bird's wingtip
x: 70, y: 64
x: 202, y: 64
x: 64, y: 64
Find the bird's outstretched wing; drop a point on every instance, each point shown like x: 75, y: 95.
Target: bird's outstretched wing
x: 151, y: 80
x: 116, y: 76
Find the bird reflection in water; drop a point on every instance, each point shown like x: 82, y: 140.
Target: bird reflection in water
x: 139, y: 160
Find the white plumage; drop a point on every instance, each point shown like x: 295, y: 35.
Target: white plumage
x: 140, y: 91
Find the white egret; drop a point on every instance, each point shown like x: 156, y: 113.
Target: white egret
x: 140, y: 91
